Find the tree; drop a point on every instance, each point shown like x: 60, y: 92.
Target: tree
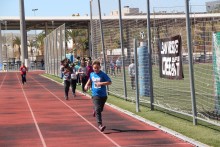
x: 40, y: 42
x: 79, y: 38
x: 17, y: 42
x: 32, y: 43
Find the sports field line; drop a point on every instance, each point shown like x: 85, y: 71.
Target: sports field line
x: 111, y: 140
x: 3, y: 81
x: 164, y: 129
x: 32, y: 114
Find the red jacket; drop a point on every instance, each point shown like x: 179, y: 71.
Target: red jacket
x: 88, y: 71
x: 23, y: 69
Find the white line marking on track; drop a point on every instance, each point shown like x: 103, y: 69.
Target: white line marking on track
x: 148, y: 122
x: 32, y: 113
x: 3, y: 81
x: 79, y: 115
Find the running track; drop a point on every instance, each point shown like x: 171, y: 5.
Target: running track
x: 36, y: 115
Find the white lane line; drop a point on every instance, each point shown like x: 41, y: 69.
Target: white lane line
x: 79, y: 115
x: 148, y: 122
x: 32, y: 113
x: 3, y: 81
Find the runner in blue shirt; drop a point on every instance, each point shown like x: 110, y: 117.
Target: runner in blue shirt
x: 98, y: 80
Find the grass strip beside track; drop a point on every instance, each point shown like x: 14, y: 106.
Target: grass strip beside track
x: 203, y: 132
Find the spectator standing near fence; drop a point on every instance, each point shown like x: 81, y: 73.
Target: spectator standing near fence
x: 35, y: 64
x: 131, y: 73
x: 102, y: 63
x: 23, y: 70
x: 42, y: 63
x: 112, y: 67
x: 108, y: 67
x: 98, y: 81
x: 118, y: 65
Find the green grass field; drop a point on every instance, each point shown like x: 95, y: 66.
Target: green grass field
x: 176, y: 94
x: 203, y: 132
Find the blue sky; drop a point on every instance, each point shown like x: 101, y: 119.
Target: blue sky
x: 69, y: 7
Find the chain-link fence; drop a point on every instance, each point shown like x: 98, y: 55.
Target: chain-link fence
x: 171, y: 94
x: 10, y: 51
x: 54, y: 50
x: 8, y: 60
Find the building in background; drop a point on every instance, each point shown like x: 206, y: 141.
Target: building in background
x: 213, y: 6
x: 126, y: 10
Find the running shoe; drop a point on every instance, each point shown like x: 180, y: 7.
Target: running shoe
x: 102, y: 128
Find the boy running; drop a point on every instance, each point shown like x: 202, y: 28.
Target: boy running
x: 98, y: 80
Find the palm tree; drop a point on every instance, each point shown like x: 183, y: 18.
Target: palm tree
x: 80, y: 40
x: 83, y: 45
x: 17, y: 42
x: 40, y: 42
x: 31, y: 44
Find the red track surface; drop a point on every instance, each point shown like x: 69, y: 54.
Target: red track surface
x: 36, y: 115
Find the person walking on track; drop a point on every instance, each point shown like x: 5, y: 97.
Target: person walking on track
x: 73, y: 80
x: 23, y: 70
x: 82, y: 73
x: 98, y: 80
x: 66, y: 79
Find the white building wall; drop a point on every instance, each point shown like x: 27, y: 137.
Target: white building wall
x: 212, y: 5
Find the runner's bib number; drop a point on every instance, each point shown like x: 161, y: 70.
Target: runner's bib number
x: 73, y: 76
x: 23, y: 69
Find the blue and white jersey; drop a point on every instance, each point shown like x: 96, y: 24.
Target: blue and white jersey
x: 99, y: 77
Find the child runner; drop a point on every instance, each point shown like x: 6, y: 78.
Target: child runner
x: 82, y: 73
x: 23, y: 70
x: 73, y: 80
x: 89, y: 69
x: 66, y: 79
x: 98, y: 80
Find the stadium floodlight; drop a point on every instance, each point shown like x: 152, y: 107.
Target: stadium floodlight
x: 34, y: 11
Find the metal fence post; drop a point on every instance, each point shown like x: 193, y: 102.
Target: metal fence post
x: 102, y: 36
x: 91, y: 51
x: 23, y: 32
x: 150, y: 54
x: 122, y: 49
x: 136, y: 76
x: 1, y: 44
x: 191, y: 72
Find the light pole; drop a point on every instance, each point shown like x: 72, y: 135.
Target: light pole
x: 35, y: 35
x: 24, y: 52
x: 34, y: 11
x: 1, y: 44
x: 34, y: 15
x: 6, y: 48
